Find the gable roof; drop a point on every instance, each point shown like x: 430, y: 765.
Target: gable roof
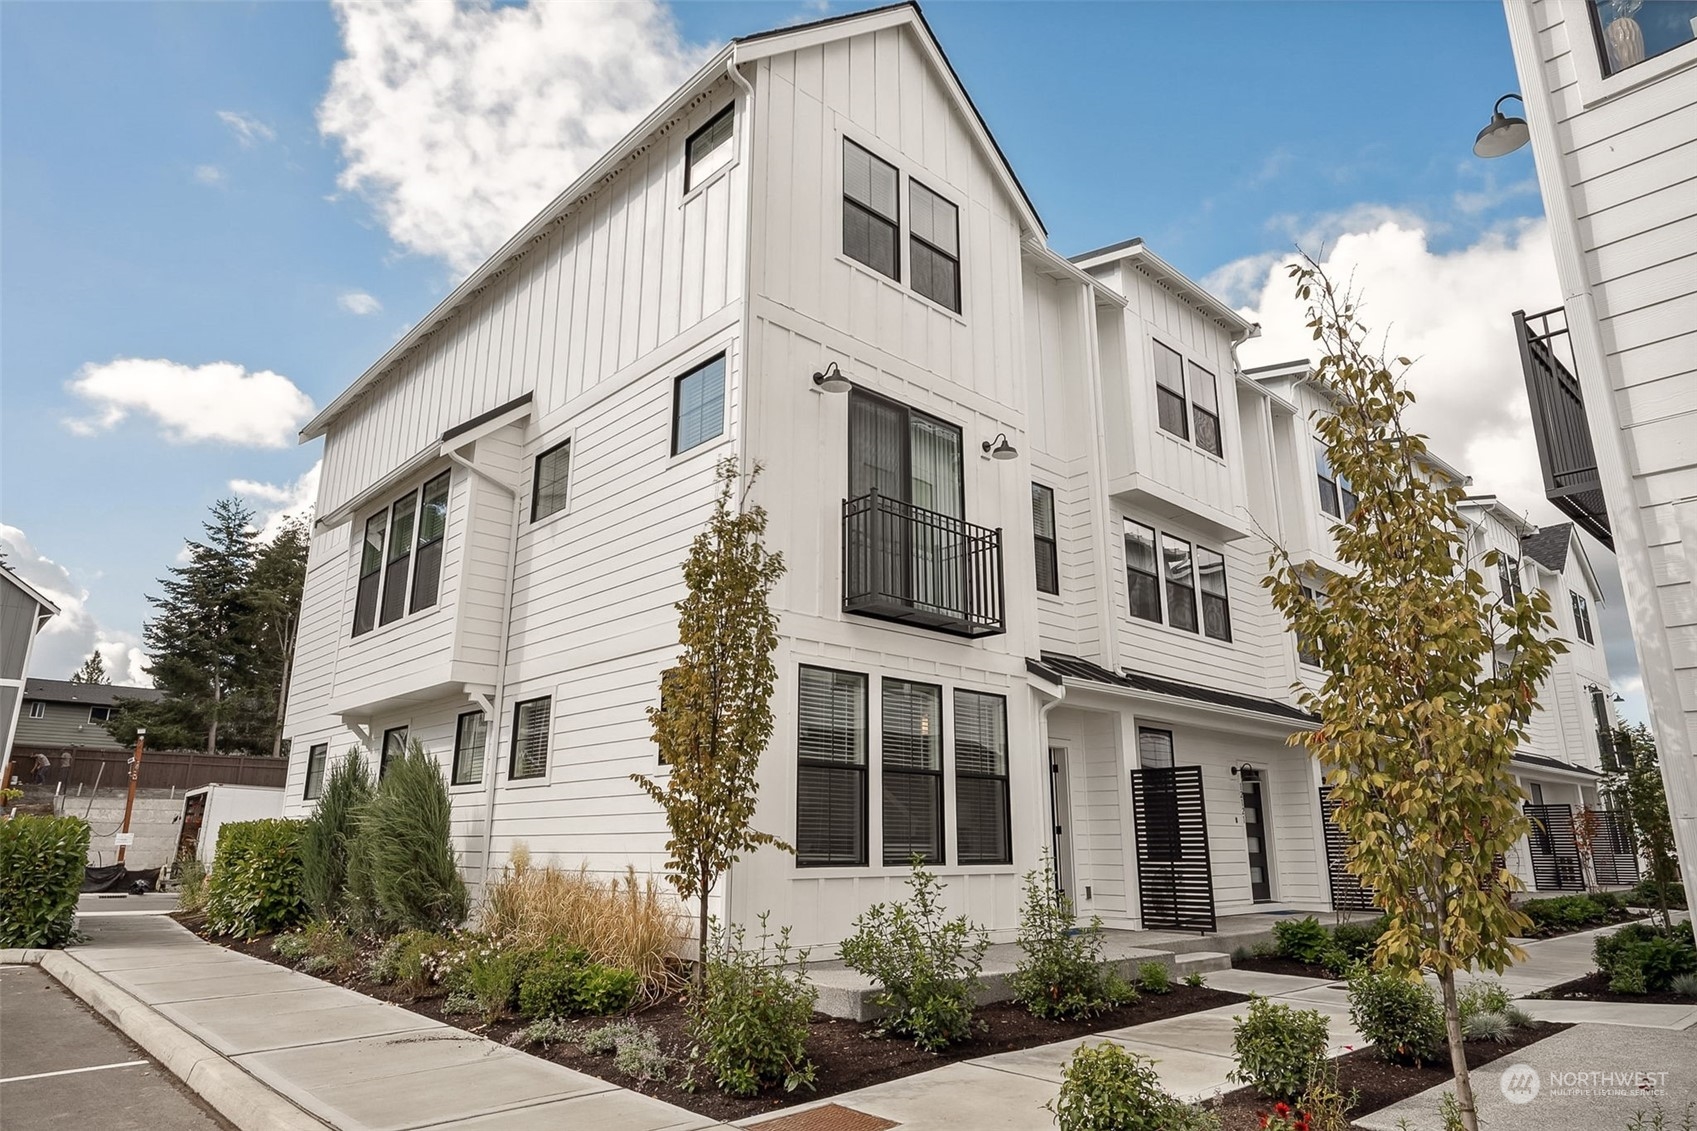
x: 87, y: 694
x: 29, y: 590
x: 1181, y: 286
x: 1549, y: 546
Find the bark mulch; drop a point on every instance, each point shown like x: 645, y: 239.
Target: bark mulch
x: 1616, y: 916
x: 1272, y: 964
x: 1595, y: 987
x: 1379, y: 1083
x: 846, y: 1054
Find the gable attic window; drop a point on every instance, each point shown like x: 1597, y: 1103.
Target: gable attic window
x: 698, y: 406
x: 871, y: 214
x: 370, y: 573
x: 708, y: 149
x: 401, y: 517
x: 432, y: 529
x: 1205, y: 409
x: 548, y: 490
x: 1169, y: 392
x: 934, y: 246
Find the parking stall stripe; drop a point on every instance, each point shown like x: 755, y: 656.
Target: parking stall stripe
x: 71, y: 1071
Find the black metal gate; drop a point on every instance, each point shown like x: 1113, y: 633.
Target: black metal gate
x: 1614, y: 853
x: 1175, y: 878
x: 1348, y: 892
x: 1555, y: 851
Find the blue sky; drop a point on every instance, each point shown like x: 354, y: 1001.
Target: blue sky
x: 169, y: 193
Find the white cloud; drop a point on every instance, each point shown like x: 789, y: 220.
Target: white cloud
x: 277, y: 504
x: 67, y: 639
x: 359, y: 302
x: 459, y: 122
x: 220, y: 402
x: 209, y: 175
x: 249, y: 131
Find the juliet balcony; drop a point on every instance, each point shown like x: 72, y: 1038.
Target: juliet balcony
x: 1558, y: 423
x: 915, y: 566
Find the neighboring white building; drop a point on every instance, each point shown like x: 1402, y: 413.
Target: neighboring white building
x: 1611, y: 101
x: 1022, y: 610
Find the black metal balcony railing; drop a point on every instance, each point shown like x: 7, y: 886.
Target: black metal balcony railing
x: 905, y: 563
x: 1559, y: 425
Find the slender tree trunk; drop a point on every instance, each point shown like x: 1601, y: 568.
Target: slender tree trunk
x: 1458, y: 1052
x: 701, y: 927
x: 282, y: 700
x: 212, y: 728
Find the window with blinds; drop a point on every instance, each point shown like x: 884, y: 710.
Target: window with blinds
x: 315, y: 759
x: 698, y: 406
x: 394, y: 746
x: 432, y: 530
x: 708, y: 149
x: 1043, y: 539
x: 1181, y: 582
x: 530, y: 739
x: 1205, y: 410
x: 471, y: 733
x: 1169, y: 392
x: 934, y: 246
x: 1154, y: 748
x: 831, y: 768
x: 982, y: 826
x: 1142, y: 572
x: 401, y: 517
x: 912, y: 748
x: 1211, y: 581
x: 871, y: 216
x: 370, y: 573
x: 548, y: 487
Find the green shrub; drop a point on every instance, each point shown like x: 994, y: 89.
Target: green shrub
x: 1154, y: 978
x: 188, y: 875
x: 1357, y: 941
x: 1398, y: 1013
x: 491, y: 978
x: 1482, y: 996
x: 640, y: 1056
x: 562, y: 982
x: 1278, y: 1049
x: 1301, y: 940
x: 410, y: 961
x: 41, y: 871
x: 1195, y: 979
x: 925, y: 964
x: 1640, y: 959
x: 406, y: 848
x: 598, y: 1041
x: 1565, y: 913
x: 1486, y: 1025
x: 1060, y: 971
x: 459, y: 1003
x: 1106, y: 1088
x: 750, y: 1020
x: 320, y: 947
x: 1685, y: 985
x: 1649, y: 894
x: 255, y: 888
x: 329, y: 837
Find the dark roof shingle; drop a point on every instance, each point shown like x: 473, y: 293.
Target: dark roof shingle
x: 1549, y: 546
x: 92, y: 694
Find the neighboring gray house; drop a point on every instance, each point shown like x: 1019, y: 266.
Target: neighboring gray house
x: 23, y: 610
x: 60, y: 715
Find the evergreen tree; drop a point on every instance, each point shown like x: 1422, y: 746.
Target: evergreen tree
x: 93, y: 670
x: 1635, y: 788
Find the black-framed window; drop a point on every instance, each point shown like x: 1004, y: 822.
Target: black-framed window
x: 1328, y: 480
x: 316, y: 756
x: 934, y: 246
x: 709, y: 148
x: 1211, y: 583
x: 1508, y: 579
x: 1308, y: 649
x: 1582, y: 619
x: 871, y: 211
x: 983, y: 830
x: 432, y: 530
x: 1205, y: 409
x: 1043, y: 538
x: 698, y: 405
x: 1169, y: 392
x: 471, y: 736
x: 1605, y: 730
x: 394, y: 746
x: 399, y: 558
x: 532, y: 721
x: 831, y: 768
x: 548, y: 483
x: 1179, y: 568
x: 905, y: 454
x: 370, y: 573
x: 1628, y: 34
x: 1142, y: 572
x: 1154, y: 748
x: 912, y: 771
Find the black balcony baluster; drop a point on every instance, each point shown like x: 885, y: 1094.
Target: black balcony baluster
x: 909, y: 564
x: 1559, y: 425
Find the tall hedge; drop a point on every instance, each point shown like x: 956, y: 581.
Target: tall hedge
x: 256, y: 883
x: 406, y: 857
x: 328, y: 841
x: 41, y: 871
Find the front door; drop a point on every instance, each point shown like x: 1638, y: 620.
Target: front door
x: 1060, y: 808
x: 1255, y: 832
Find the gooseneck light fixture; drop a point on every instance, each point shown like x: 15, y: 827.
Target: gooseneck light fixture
x: 1503, y: 135
x: 832, y: 380
x: 999, y: 448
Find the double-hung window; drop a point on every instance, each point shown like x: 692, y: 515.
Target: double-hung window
x: 1169, y: 392
x: 432, y: 530
x: 1582, y: 619
x: 471, y: 734
x: 1043, y: 538
x: 831, y: 769
x: 370, y: 573
x: 1205, y: 409
x: 1180, y: 569
x: 401, y: 517
x: 315, y: 759
x: 531, y: 722
x: 912, y: 772
x: 934, y: 246
x: 1142, y: 572
x: 981, y: 779
x: 1508, y: 579
x: 394, y: 746
x: 38, y: 709
x: 1328, y: 481
x: 1307, y: 649
x: 1211, y: 581
x: 698, y: 406
x: 708, y: 149
x: 548, y: 487
x: 871, y: 212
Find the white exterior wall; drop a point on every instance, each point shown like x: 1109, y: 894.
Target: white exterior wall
x: 1616, y: 159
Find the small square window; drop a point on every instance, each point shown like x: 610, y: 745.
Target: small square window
x: 548, y: 494
x: 698, y: 406
x: 708, y: 149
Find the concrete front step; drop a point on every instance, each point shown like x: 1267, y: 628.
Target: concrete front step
x: 1201, y: 962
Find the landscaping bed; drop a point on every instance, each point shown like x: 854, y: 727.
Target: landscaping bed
x: 1274, y: 964
x: 847, y: 1054
x: 1595, y: 987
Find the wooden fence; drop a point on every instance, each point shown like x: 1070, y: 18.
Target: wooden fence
x: 162, y: 770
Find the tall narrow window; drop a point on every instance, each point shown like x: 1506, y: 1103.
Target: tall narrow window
x: 1169, y: 392
x: 531, y: 721
x: 1582, y: 619
x: 1181, y: 582
x: 1205, y: 408
x: 981, y: 779
x: 1211, y: 580
x: 1043, y: 538
x: 698, y: 406
x: 432, y: 529
x: 38, y: 709
x: 1346, y: 496
x: 1328, y: 481
x: 871, y: 216
x: 831, y: 769
x: 1142, y: 572
x: 394, y: 746
x: 708, y: 149
x: 548, y: 487
x: 1155, y: 753
x: 315, y: 758
x: 370, y: 573
x: 471, y: 734
x: 1508, y: 579
x: 913, y: 772
x: 1307, y: 649
x: 934, y: 246
x: 401, y: 517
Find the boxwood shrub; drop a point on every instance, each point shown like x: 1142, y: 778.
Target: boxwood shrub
x: 41, y: 871
x: 255, y: 888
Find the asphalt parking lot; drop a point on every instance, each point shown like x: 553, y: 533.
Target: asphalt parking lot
x: 63, y: 1066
